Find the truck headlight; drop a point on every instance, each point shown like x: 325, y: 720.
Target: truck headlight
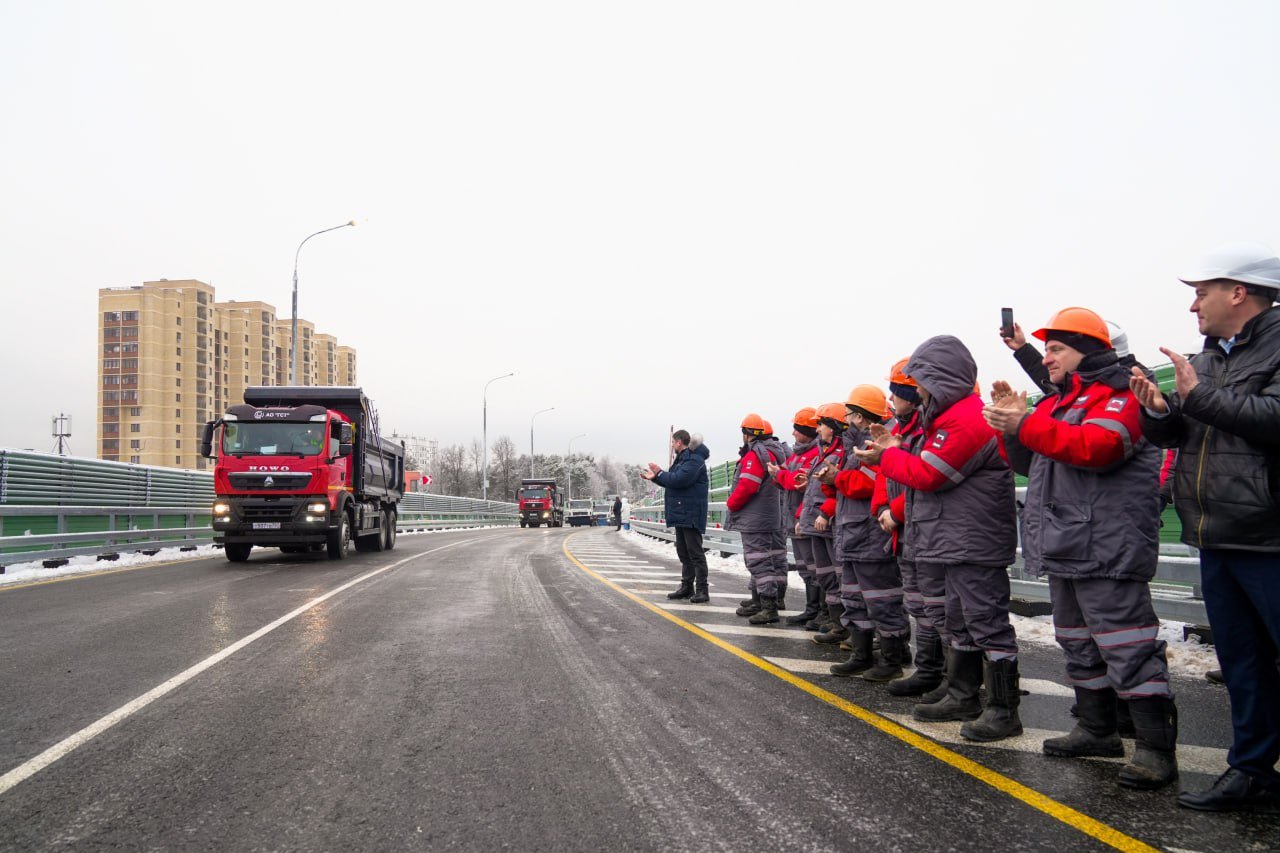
x: 317, y: 507
x: 221, y: 509
x: 546, y: 515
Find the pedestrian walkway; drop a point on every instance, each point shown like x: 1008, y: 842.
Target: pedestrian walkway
x: 1047, y: 698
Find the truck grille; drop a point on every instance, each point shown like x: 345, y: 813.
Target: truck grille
x: 258, y: 482
x: 268, y: 513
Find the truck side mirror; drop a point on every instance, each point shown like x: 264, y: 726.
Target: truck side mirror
x: 344, y: 448
x: 345, y: 434
x: 206, y: 439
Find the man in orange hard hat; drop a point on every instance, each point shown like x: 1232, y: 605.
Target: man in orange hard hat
x: 755, y: 511
x: 1091, y: 522
x: 804, y: 431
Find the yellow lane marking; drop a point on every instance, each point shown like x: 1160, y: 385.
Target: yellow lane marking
x: 1031, y: 797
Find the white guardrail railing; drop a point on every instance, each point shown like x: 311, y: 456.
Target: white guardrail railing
x: 1175, y: 591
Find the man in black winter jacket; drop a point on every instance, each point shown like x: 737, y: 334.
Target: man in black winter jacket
x: 687, y: 488
x: 1225, y: 421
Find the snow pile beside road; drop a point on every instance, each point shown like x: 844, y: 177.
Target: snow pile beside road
x: 1186, y: 657
x: 35, y: 571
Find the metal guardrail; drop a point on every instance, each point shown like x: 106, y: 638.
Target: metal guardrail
x: 1175, y: 590
x: 53, y: 534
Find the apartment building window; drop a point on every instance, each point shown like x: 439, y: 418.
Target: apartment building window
x: 177, y: 460
x: 135, y: 427
x: 131, y: 347
x: 111, y: 396
x: 178, y: 382
x: 177, y: 428
x: 178, y: 444
x: 178, y: 339
x: 135, y: 444
x: 177, y: 321
x: 129, y: 396
x: 130, y: 316
x: 246, y: 349
x: 177, y: 413
x: 178, y: 366
x: 111, y: 333
x: 179, y: 350
x: 111, y: 380
x: 111, y: 364
x: 130, y: 364
x: 110, y: 429
x: 135, y: 459
x: 111, y: 316
x: 110, y: 445
x: 246, y: 340
x: 111, y: 412
x: 177, y: 398
x: 135, y: 412
x: 110, y: 348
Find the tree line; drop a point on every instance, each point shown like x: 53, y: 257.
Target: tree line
x: 458, y: 470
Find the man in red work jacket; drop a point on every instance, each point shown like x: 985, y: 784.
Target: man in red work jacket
x: 755, y: 511
x: 1090, y: 523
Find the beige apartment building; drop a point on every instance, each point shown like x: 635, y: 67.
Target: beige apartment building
x: 171, y: 358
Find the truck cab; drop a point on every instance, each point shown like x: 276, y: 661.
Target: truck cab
x: 540, y: 502
x: 579, y: 513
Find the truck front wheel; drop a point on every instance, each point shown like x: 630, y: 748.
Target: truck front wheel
x: 390, y: 541
x: 238, y: 552
x: 339, y: 542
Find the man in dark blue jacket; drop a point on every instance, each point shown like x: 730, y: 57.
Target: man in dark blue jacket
x: 686, y: 510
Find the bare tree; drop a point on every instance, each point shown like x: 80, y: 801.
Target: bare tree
x: 504, y: 467
x: 475, y: 455
x: 453, y: 470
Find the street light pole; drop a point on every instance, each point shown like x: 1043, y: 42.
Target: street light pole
x: 568, y: 468
x: 484, y: 477
x: 293, y: 334
x: 535, y: 414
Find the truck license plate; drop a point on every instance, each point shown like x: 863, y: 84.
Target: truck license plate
x: 266, y: 525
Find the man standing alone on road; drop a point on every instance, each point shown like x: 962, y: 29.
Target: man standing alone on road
x: 1223, y: 418
x: 685, y: 507
x: 617, y: 514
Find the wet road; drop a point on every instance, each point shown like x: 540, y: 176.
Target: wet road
x: 523, y: 689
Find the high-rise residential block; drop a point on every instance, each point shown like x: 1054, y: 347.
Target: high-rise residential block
x: 171, y: 358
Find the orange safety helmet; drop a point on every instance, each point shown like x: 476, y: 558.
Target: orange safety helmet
x: 768, y: 428
x: 832, y: 412
x: 754, y: 424
x: 870, y: 399
x: 1081, y: 321
x: 806, y: 417
x: 897, y: 377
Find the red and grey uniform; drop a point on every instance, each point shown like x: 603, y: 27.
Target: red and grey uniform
x: 870, y: 584
x: 960, y: 510
x: 755, y: 511
x: 1091, y: 524
x: 792, y: 497
x: 820, y: 501
x: 925, y: 598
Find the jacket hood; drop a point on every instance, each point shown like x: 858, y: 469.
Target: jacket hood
x: 699, y: 449
x: 945, y: 368
x: 773, y: 447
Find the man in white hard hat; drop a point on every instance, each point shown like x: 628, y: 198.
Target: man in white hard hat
x: 1224, y: 418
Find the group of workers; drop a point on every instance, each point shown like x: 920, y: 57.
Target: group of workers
x: 901, y: 507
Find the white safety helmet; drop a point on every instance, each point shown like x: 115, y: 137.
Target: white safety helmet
x: 1247, y: 263
x: 1119, y: 340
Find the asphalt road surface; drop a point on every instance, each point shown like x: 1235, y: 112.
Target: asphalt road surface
x: 521, y: 689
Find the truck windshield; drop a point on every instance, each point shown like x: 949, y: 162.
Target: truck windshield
x: 533, y: 493
x: 580, y: 504
x: 273, y: 439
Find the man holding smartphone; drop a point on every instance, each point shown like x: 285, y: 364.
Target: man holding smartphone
x: 685, y: 507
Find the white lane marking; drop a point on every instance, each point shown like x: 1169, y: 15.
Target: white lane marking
x: 1044, y: 687
x: 69, y: 744
x: 634, y: 573
x: 808, y: 667
x: 1191, y: 759
x: 302, y: 589
x: 613, y: 564
x: 775, y: 633
x: 711, y: 608
x: 665, y: 588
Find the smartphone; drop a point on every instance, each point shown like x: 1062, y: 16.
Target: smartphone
x: 1006, y: 322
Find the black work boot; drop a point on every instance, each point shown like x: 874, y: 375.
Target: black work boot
x: 1154, y: 763
x: 964, y: 677
x: 1124, y: 720
x: 1000, y: 719
x: 936, y: 694
x: 701, y: 596
x: 893, y: 653
x: 928, y: 674
x: 768, y: 612
x: 1095, y: 734
x: 836, y: 632
x: 861, y: 659
x: 812, y: 600
x: 685, y: 590
x: 782, y: 595
x: 751, y: 606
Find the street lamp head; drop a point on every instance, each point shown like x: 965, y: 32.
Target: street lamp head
x: 352, y: 223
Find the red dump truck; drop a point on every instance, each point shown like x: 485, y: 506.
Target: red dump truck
x: 303, y: 469
x: 540, y: 503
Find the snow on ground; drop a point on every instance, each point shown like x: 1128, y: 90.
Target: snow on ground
x: 1186, y: 657
x: 35, y: 571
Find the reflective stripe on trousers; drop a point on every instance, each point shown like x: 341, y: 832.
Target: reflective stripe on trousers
x: 882, y: 593
x: 1108, y: 630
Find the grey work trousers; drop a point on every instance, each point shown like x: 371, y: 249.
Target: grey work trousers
x: 977, y: 611
x: 913, y: 598
x: 825, y: 569
x: 878, y: 589
x: 1110, y: 634
x: 760, y: 552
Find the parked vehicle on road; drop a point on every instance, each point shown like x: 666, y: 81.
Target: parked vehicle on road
x: 303, y: 468
x: 540, y: 502
x: 580, y: 513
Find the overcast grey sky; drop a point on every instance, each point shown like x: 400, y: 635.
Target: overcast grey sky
x: 656, y: 213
